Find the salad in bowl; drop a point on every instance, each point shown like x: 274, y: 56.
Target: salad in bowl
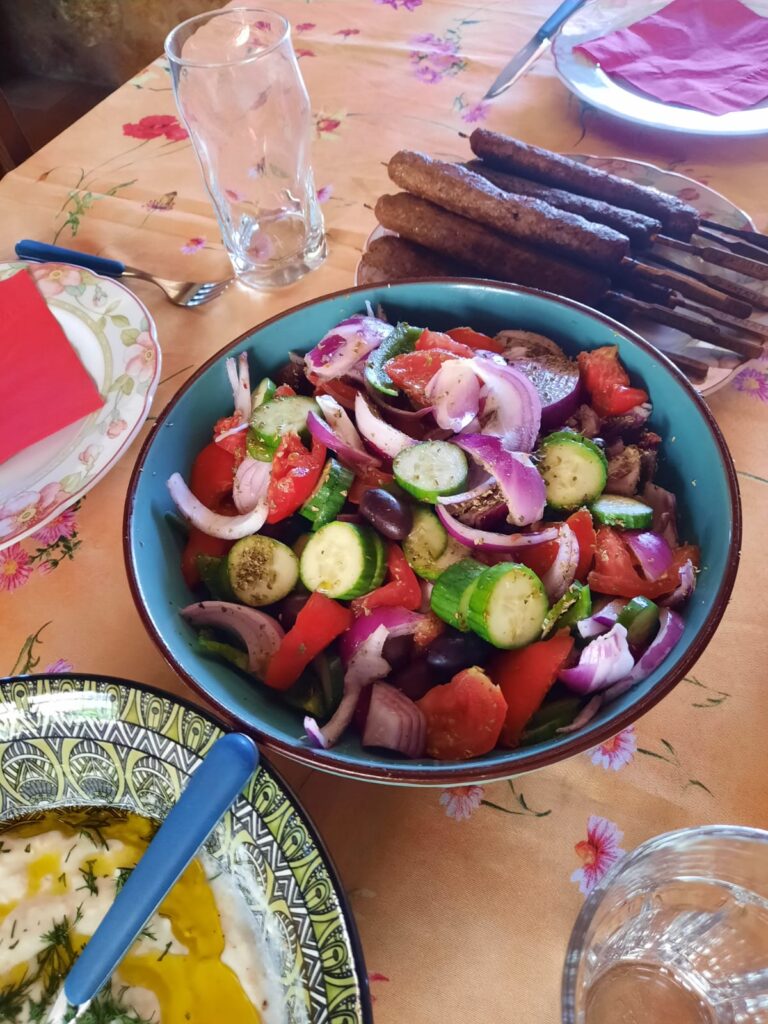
x: 442, y: 541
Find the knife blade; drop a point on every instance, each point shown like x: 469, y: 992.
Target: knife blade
x: 533, y: 49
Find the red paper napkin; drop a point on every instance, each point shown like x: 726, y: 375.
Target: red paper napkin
x: 43, y: 384
x: 711, y: 55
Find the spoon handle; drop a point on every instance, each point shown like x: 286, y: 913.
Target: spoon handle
x: 210, y: 792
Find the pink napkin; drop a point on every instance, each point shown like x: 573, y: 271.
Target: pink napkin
x: 43, y: 384
x: 711, y: 55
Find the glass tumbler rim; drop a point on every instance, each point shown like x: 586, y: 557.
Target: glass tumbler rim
x: 597, y: 895
x: 177, y: 59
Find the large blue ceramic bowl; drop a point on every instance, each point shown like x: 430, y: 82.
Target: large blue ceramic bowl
x: 695, y: 464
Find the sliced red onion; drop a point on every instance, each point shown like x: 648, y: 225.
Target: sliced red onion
x: 520, y: 482
x: 386, y: 439
x: 323, y: 433
x: 454, y: 392
x: 484, y: 540
x: 240, y: 382
x: 651, y: 550
x: 585, y: 716
x: 511, y: 407
x: 684, y: 589
x: 414, y: 422
x: 212, y: 523
x: 251, y: 482
x: 601, y: 621
x: 398, y: 622
x: 345, y: 345
x: 664, y: 505
x: 561, y: 574
x: 394, y: 722
x: 604, y: 661
x: 260, y: 633
x: 671, y: 629
x: 365, y: 666
x: 339, y: 422
x: 482, y: 507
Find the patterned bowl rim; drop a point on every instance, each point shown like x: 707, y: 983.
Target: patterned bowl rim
x: 345, y: 910
x: 457, y: 773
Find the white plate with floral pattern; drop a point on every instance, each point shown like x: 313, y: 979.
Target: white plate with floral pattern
x: 613, y: 96
x: 115, y: 338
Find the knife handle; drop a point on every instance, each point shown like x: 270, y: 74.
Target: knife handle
x: 556, y: 19
x: 41, y: 252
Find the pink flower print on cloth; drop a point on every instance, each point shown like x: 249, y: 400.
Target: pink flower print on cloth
x: 462, y: 802
x: 598, y: 852
x: 15, y: 567
x: 617, y: 751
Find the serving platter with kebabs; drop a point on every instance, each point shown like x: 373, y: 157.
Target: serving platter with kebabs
x: 693, y: 279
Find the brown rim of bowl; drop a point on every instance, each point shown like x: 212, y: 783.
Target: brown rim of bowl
x: 461, y: 772
x: 341, y: 896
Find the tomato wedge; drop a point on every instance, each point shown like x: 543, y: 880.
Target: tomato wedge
x: 540, y: 557
x: 429, y: 340
x: 212, y: 476
x: 365, y: 479
x: 615, y: 575
x: 607, y: 382
x: 525, y: 677
x: 412, y: 371
x: 402, y: 590
x: 464, y: 717
x: 339, y: 389
x: 295, y: 472
x: 475, y: 340
x: 318, y: 624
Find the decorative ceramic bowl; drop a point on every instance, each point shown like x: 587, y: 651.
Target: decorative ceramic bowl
x: 86, y: 741
x: 694, y: 463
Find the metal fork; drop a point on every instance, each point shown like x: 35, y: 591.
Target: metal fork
x: 182, y: 293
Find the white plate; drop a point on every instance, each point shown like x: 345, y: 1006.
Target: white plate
x: 584, y: 78
x: 713, y: 206
x: 114, y: 336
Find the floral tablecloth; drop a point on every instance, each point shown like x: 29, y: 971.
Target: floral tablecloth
x: 464, y: 898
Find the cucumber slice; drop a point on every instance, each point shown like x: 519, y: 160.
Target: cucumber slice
x: 403, y: 339
x: 452, y: 591
x: 508, y: 605
x: 640, y: 617
x: 616, y: 510
x: 261, y: 570
x: 269, y: 422
x: 327, y: 499
x: 574, y: 469
x: 207, y: 643
x: 428, y: 549
x: 343, y: 561
x: 256, y: 447
x: 431, y: 469
x: 265, y: 392
x: 215, y: 575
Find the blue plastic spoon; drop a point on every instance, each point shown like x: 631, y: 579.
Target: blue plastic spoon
x: 209, y: 794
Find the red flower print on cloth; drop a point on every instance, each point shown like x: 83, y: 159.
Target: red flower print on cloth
x: 192, y: 245
x: 599, y: 852
x: 15, y: 567
x: 304, y: 53
x: 305, y: 26
x: 616, y: 751
x: 326, y: 124
x: 752, y: 382
x: 324, y: 193
x: 153, y: 126
x: 63, y: 525
x: 376, y: 976
x: 461, y: 802
x: 347, y: 32
x: 434, y: 57
x: 59, y: 667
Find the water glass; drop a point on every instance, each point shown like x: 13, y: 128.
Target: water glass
x: 677, y: 932
x: 242, y: 98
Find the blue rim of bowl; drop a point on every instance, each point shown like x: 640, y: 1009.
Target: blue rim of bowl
x: 330, y: 866
x: 459, y: 772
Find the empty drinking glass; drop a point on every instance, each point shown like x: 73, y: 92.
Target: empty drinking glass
x: 243, y: 100
x: 677, y: 933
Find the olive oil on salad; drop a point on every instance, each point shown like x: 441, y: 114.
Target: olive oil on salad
x: 58, y: 875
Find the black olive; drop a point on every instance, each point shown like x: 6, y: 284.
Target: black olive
x: 415, y: 679
x: 452, y: 651
x: 397, y: 651
x: 391, y: 517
